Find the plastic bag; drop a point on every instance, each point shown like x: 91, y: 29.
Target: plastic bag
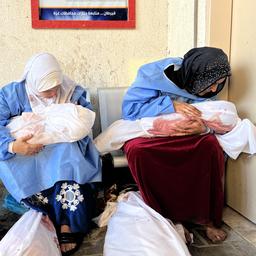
x: 33, y: 234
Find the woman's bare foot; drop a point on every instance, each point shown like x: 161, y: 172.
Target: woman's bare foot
x: 216, y: 235
x: 65, y: 247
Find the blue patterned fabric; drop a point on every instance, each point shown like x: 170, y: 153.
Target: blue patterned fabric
x: 66, y: 203
x: 24, y: 176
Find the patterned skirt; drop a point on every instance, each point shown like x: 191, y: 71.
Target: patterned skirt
x: 66, y: 203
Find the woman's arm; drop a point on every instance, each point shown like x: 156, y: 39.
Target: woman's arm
x: 8, y: 98
x: 141, y: 102
x: 5, y: 136
x: 80, y: 97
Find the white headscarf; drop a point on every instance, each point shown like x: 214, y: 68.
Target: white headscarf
x: 42, y: 72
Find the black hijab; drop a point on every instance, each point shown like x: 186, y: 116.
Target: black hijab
x: 201, y: 67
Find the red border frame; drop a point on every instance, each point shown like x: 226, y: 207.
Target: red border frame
x: 36, y: 23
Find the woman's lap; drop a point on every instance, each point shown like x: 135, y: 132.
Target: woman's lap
x: 62, y: 161
x: 180, y: 177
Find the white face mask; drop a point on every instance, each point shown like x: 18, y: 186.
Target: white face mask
x: 48, y: 101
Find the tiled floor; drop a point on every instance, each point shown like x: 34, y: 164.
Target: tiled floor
x: 93, y: 244
x: 234, y: 245
x: 240, y: 225
x: 241, y: 239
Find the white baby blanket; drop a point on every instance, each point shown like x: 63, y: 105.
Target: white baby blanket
x: 242, y: 138
x: 57, y: 123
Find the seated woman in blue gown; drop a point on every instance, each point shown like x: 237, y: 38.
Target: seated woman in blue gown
x: 180, y: 176
x: 55, y: 179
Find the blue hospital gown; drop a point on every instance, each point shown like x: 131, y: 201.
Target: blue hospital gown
x: 24, y: 176
x: 152, y: 93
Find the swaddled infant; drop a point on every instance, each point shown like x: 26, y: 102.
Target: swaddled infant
x: 219, y: 116
x: 57, y: 123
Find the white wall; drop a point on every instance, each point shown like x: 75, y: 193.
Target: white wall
x: 95, y: 58
x: 187, y: 25
x: 181, y: 34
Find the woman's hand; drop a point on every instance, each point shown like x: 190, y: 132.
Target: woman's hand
x: 22, y: 147
x: 218, y: 127
x: 186, y: 109
x: 190, y: 126
x: 186, y: 126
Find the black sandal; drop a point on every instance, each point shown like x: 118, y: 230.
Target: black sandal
x: 70, y: 238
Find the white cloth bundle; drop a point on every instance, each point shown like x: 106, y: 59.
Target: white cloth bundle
x: 242, y: 138
x: 136, y: 229
x: 57, y: 123
x: 111, y: 208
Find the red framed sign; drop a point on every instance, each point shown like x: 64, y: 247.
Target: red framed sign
x: 83, y: 13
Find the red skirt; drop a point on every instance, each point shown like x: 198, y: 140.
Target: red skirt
x: 180, y: 177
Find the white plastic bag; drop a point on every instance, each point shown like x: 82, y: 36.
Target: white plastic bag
x: 33, y: 234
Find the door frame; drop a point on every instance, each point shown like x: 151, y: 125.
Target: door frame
x: 219, y: 28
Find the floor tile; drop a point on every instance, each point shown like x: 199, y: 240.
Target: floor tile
x: 222, y: 250
x: 240, y: 225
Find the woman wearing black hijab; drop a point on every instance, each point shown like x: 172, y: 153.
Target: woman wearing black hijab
x: 180, y: 176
